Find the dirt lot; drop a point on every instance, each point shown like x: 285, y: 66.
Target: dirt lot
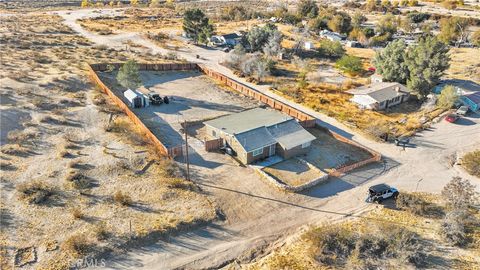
x: 293, y: 172
x: 328, y: 152
x: 193, y: 97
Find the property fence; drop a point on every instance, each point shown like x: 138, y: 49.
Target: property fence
x: 161, y: 148
x: 376, y: 157
x: 304, y: 119
x: 213, y: 145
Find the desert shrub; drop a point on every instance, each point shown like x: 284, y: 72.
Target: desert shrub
x: 332, y: 244
x: 101, y: 231
x: 453, y: 228
x: 76, y: 212
x: 471, y: 163
x: 64, y: 154
x: 180, y: 184
x: 35, y: 192
x: 15, y: 150
x: 349, y: 64
x: 331, y: 49
x: 459, y: 193
x: 414, y: 203
x: 122, y: 199
x: 98, y: 100
x: 169, y: 167
x: 78, y: 180
x: 7, y: 166
x: 20, y: 137
x: 77, y: 245
x: 448, y: 97
x: 343, y: 245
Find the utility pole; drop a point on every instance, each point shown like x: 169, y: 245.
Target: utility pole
x: 186, y: 149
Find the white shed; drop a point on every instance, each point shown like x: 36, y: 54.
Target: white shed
x: 135, y: 99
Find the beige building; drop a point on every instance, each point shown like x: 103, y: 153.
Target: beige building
x: 259, y: 133
x: 380, y: 95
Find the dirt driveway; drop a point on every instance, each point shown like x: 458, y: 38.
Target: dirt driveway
x: 257, y: 214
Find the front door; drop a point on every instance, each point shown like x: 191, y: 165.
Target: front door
x: 272, y: 150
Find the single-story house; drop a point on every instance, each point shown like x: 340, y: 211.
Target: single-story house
x: 228, y: 39
x: 259, y: 133
x: 136, y: 99
x: 379, y: 96
x: 333, y: 36
x: 468, y: 91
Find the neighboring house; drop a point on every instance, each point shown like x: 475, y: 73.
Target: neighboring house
x: 376, y: 78
x: 468, y: 91
x: 472, y: 101
x: 308, y: 45
x: 259, y: 133
x: 333, y: 36
x: 228, y: 39
x: 136, y: 99
x: 379, y: 96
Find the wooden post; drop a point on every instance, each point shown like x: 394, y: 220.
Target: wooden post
x: 186, y: 149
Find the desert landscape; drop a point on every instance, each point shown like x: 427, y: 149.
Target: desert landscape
x: 109, y: 159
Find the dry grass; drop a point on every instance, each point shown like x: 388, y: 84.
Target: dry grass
x: 385, y: 238
x: 471, y: 163
x: 122, y: 198
x: 35, y: 192
x: 464, y: 64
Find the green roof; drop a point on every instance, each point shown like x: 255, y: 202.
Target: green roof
x: 248, y: 120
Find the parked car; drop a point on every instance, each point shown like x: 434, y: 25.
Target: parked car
x: 463, y: 110
x: 155, y: 99
x: 381, y: 192
x: 452, y: 118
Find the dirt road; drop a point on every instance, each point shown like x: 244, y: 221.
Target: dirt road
x: 256, y: 214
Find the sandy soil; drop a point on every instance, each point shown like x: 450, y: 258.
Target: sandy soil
x: 293, y: 172
x: 258, y: 215
x: 51, y: 130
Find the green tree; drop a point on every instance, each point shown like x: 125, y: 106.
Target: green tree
x: 307, y: 8
x: 340, y: 23
x: 448, y: 97
x: 349, y: 64
x: 205, y: 33
x: 331, y: 49
x: 453, y: 30
x: 128, y: 75
x: 357, y: 19
x: 258, y: 36
x: 426, y: 63
x: 196, y: 25
x: 390, y: 62
x: 387, y: 25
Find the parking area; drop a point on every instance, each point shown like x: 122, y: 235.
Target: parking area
x: 193, y: 97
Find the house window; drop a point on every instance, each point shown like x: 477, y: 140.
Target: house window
x: 214, y: 134
x: 257, y: 152
x: 305, y: 145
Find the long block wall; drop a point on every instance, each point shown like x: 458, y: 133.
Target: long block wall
x: 305, y: 119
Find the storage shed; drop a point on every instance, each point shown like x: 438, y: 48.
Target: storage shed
x: 135, y: 99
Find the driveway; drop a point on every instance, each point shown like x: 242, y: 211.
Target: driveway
x: 257, y: 214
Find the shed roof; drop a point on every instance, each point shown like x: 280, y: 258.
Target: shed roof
x: 248, y: 120
x: 381, y: 91
x: 475, y: 97
x: 231, y: 36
